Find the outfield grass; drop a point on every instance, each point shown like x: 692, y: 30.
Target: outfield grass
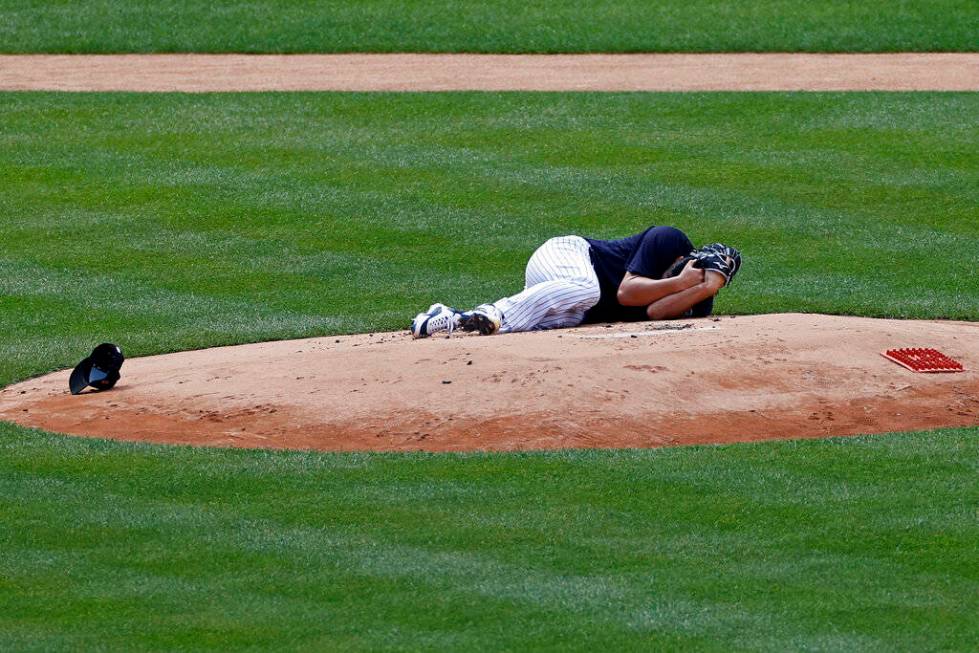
x: 100, y: 26
x: 860, y: 544
x: 166, y: 222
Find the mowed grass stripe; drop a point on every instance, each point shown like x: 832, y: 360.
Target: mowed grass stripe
x: 864, y: 543
x: 168, y: 222
x: 254, y: 26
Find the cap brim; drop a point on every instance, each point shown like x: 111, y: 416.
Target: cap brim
x: 78, y: 380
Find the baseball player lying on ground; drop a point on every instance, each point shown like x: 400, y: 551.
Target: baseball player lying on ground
x: 653, y: 275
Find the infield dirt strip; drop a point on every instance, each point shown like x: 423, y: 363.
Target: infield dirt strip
x: 722, y: 379
x: 489, y: 72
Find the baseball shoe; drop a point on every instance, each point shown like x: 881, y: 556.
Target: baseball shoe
x: 438, y: 318
x: 485, y: 318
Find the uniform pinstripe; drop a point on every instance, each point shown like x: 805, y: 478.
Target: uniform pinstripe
x: 560, y: 285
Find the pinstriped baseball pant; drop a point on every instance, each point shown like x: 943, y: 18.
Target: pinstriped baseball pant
x: 561, y: 285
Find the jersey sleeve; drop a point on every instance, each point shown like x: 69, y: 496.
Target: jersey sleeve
x: 657, y: 250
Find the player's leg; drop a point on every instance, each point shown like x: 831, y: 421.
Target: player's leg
x: 548, y: 305
x: 561, y: 285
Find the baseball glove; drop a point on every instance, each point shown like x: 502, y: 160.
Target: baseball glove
x: 716, y: 256
x: 724, y: 259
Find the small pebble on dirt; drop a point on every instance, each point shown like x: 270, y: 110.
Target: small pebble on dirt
x: 469, y: 362
x: 446, y: 382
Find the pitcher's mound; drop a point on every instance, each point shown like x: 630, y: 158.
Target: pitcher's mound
x: 630, y: 385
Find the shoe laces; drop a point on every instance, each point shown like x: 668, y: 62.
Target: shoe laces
x: 446, y: 320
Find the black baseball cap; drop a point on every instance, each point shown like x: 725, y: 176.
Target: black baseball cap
x: 100, y: 370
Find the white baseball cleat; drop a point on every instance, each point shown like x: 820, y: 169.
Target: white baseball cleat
x: 485, y: 318
x: 438, y: 318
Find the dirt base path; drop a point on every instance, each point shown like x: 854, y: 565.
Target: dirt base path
x: 639, y: 385
x: 460, y: 72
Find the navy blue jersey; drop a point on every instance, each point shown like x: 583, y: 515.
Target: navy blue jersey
x: 648, y: 254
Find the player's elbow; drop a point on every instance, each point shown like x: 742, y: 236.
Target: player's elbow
x: 622, y: 296
x: 626, y: 295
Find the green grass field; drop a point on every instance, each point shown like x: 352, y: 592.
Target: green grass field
x: 488, y: 26
x: 166, y: 222
x: 862, y: 544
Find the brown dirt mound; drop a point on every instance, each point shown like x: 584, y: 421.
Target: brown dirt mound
x: 902, y: 71
x: 636, y: 385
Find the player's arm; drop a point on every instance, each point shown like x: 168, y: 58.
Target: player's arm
x: 636, y: 290
x: 675, y: 305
